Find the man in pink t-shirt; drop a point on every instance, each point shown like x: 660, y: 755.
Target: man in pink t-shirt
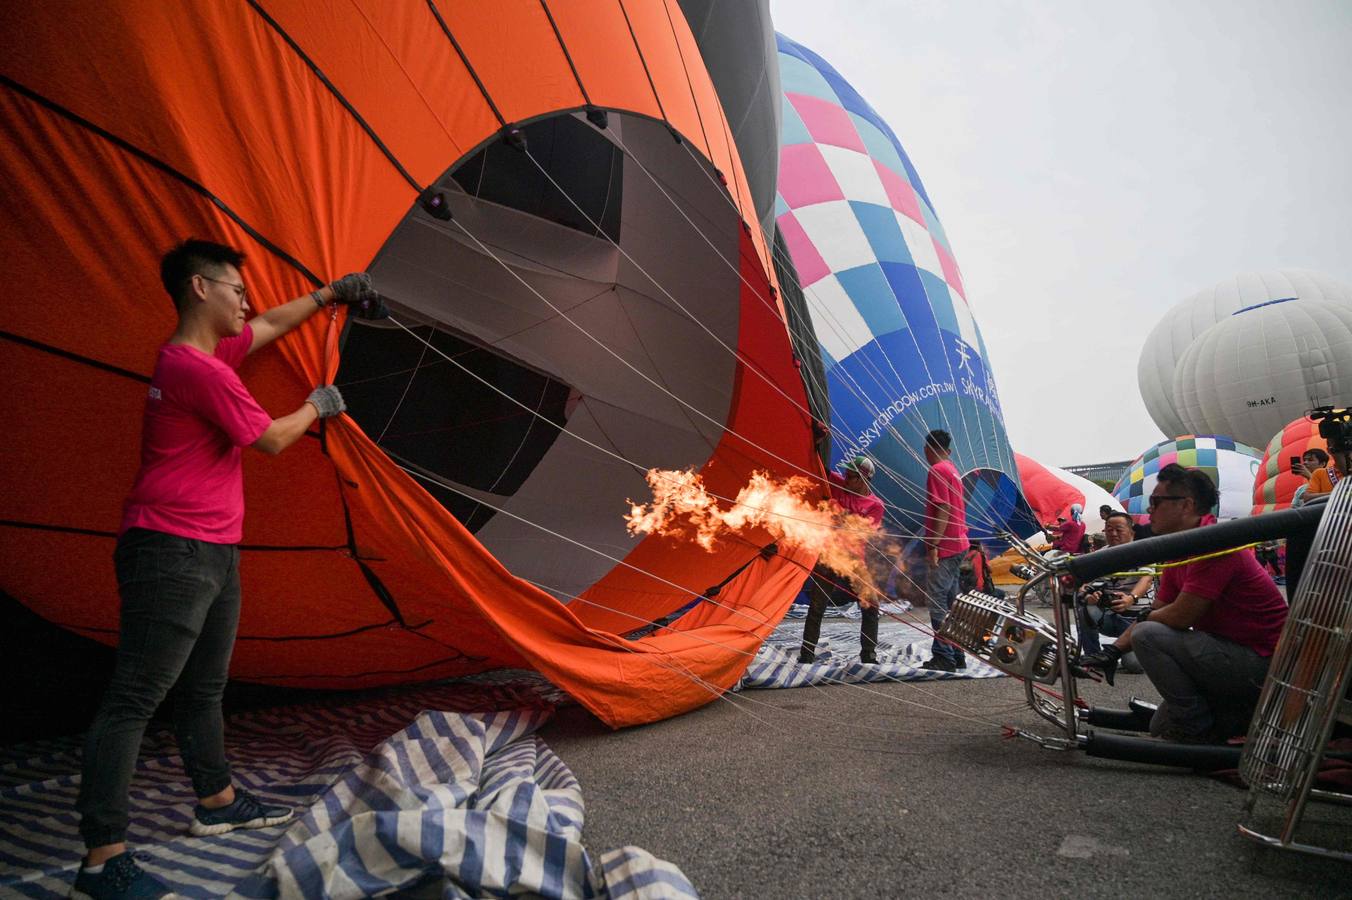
x: 945, y: 535
x: 177, y: 556
x: 1209, y: 636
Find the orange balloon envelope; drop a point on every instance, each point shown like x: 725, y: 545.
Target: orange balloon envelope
x: 595, y: 304
x: 1275, y: 485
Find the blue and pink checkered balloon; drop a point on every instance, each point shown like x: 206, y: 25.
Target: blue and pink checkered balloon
x: 901, y: 348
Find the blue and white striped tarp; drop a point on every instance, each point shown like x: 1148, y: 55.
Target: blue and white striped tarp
x: 470, y: 801
x: 901, y: 650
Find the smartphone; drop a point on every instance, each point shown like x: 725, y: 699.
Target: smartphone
x: 1295, y: 463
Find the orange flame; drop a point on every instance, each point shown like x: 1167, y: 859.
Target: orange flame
x: 682, y: 508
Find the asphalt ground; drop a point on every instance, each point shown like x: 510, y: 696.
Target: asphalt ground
x: 909, y: 790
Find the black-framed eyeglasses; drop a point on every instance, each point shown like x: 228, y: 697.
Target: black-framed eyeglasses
x: 241, y: 291
x: 1157, y: 499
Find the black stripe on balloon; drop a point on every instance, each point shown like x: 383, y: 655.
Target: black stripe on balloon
x: 566, y: 55
x: 464, y: 60
x: 666, y: 5
x: 319, y: 73
x: 637, y: 49
x: 75, y: 357
x: 164, y: 167
x: 457, y: 657
x: 377, y: 586
x: 100, y: 533
x: 271, y: 639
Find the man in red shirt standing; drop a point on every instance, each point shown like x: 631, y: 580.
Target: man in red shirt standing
x: 945, y: 535
x: 177, y: 556
x: 852, y: 494
x: 1210, y: 633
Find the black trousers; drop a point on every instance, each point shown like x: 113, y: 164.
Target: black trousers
x: 823, y: 592
x: 180, y: 609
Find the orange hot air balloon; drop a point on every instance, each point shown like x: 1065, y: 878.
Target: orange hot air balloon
x: 1275, y: 484
x: 548, y: 196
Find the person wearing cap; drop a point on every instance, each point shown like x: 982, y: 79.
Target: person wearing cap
x: 851, y: 494
x: 945, y: 535
x: 1067, y: 536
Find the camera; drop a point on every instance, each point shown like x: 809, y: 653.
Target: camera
x: 1335, y: 427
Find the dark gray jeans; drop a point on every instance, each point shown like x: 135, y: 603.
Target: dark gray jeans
x: 180, y: 609
x: 1209, y: 685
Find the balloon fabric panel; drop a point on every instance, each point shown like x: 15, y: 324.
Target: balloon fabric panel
x: 902, y: 350
x: 210, y: 120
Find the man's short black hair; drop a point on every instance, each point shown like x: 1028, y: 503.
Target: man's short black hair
x: 938, y: 439
x: 1194, y: 483
x: 194, y: 257
x: 1317, y: 454
x: 1118, y: 514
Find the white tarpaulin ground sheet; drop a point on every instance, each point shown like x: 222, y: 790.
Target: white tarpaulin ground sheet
x: 390, y: 793
x: 902, y: 648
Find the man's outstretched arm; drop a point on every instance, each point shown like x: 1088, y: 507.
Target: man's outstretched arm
x: 279, y: 320
x: 353, y: 290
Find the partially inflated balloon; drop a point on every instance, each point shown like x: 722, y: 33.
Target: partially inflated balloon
x: 1230, y: 465
x: 901, y: 347
x: 1264, y: 364
x: 1276, y: 484
x: 1187, y: 320
x: 587, y: 299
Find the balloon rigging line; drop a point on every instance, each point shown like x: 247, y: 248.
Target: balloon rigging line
x: 866, y: 533
x: 598, y: 447
x: 735, y: 354
x: 395, y: 412
x: 759, y: 621
x: 860, y: 395
x: 832, y: 320
x: 863, y: 398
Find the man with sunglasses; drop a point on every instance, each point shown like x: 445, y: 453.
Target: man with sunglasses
x: 1208, y: 637
x: 177, y: 555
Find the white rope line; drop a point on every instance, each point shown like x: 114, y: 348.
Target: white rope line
x: 765, y: 301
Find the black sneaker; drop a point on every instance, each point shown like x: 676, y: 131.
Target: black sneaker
x: 120, y: 878
x: 806, y: 657
x: 938, y: 664
x: 868, y: 659
x: 246, y: 812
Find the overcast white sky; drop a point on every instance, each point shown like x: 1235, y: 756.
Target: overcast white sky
x: 1095, y: 163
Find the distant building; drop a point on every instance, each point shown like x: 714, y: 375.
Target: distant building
x: 1108, y: 471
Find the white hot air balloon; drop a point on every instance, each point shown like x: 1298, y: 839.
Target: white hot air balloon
x: 1182, y: 324
x: 1257, y: 369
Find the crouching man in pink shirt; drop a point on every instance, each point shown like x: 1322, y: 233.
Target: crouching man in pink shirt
x: 1210, y: 633
x: 177, y: 556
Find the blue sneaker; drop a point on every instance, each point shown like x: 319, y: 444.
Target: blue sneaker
x: 246, y: 812
x: 121, y: 878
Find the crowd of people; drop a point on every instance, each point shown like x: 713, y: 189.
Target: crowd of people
x: 1203, y: 630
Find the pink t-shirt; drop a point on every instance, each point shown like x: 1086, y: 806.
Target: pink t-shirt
x: 198, y: 417
x: 868, y: 506
x: 944, y: 488
x: 1069, y: 537
x: 1246, y: 607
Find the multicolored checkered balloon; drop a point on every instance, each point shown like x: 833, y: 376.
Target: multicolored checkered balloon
x: 902, y: 351
x: 1230, y: 464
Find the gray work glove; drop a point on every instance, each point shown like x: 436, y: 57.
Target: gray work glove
x: 355, y: 290
x: 326, y: 400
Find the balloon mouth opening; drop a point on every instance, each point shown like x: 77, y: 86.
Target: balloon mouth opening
x: 564, y: 317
